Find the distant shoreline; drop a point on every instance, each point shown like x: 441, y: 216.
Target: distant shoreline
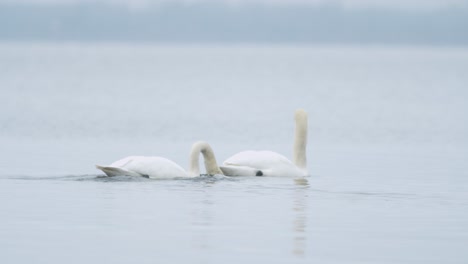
x: 220, y: 24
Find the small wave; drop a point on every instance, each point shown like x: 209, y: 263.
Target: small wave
x: 83, y: 177
x: 104, y: 178
x: 212, y: 178
x: 363, y: 193
x: 59, y: 177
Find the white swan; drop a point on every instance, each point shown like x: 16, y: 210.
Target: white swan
x: 269, y: 163
x: 162, y: 168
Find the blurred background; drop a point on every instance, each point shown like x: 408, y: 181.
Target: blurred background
x: 433, y: 22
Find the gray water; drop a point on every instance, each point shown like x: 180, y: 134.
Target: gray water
x: 387, y: 153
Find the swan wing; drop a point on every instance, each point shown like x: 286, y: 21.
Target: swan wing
x: 257, y: 159
x: 155, y: 167
x: 114, y: 171
x: 269, y: 163
x: 152, y: 167
x: 235, y: 170
x: 121, y: 163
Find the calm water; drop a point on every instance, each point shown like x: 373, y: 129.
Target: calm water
x: 387, y: 153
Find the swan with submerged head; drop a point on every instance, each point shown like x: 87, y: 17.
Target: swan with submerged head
x: 162, y: 168
x: 269, y: 163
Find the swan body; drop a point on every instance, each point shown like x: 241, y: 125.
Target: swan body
x: 162, y: 168
x: 260, y: 163
x: 269, y: 163
x: 150, y: 167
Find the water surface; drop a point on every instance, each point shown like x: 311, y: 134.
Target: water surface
x: 387, y: 153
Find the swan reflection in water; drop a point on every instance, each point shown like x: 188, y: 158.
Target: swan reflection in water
x: 300, y: 217
x: 207, y: 233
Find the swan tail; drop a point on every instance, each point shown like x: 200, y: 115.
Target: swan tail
x: 113, y: 171
x: 233, y: 170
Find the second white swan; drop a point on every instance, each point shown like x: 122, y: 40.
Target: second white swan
x: 269, y: 163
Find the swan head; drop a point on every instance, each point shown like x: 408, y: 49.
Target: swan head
x: 300, y: 115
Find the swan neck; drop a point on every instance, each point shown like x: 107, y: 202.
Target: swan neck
x: 211, y: 165
x: 300, y: 140
x: 194, y: 166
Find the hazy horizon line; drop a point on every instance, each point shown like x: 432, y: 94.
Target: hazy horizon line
x: 218, y: 23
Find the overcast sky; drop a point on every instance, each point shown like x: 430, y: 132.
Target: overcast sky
x: 399, y: 4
